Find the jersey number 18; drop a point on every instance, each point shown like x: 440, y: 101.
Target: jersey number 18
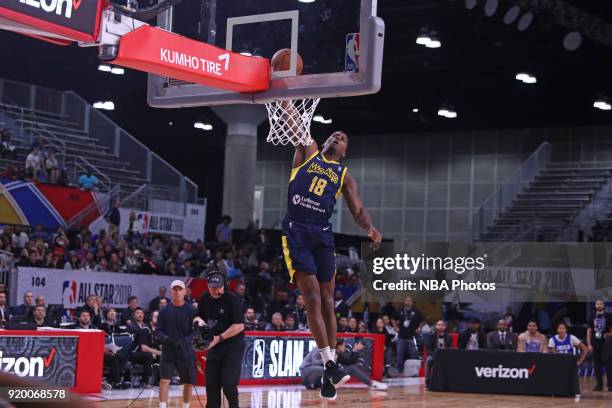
x: 318, y: 186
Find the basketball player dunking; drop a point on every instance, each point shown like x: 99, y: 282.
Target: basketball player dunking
x: 316, y: 180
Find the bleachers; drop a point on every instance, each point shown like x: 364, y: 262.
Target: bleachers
x: 71, y: 143
x: 551, y: 201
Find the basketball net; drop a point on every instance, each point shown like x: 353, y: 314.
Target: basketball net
x: 290, y: 121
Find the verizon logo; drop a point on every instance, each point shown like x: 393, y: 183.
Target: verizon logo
x: 504, y: 372
x: 24, y: 366
x: 54, y: 6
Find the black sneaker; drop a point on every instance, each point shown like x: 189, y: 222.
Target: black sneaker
x: 598, y: 387
x: 335, y: 375
x: 328, y: 391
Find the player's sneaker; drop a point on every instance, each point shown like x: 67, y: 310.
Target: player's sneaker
x: 328, y: 391
x: 378, y: 385
x: 335, y: 375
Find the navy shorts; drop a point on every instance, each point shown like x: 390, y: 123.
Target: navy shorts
x: 309, y: 248
x: 186, y: 370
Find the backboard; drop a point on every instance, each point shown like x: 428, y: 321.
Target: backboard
x: 340, y: 41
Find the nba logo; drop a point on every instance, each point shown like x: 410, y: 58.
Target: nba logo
x: 351, y: 63
x: 259, y: 351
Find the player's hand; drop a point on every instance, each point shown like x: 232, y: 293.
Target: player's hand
x: 376, y: 237
x: 590, y: 348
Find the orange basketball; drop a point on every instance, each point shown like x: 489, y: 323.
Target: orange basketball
x: 281, y: 61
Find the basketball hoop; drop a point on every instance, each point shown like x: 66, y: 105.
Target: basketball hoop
x: 290, y: 121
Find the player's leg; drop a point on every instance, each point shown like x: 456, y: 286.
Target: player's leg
x: 187, y: 393
x: 166, y: 370
x: 213, y: 380
x: 309, y: 286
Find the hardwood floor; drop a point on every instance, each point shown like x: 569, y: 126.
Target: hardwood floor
x: 402, y: 393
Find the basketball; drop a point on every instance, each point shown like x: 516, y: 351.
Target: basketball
x: 281, y: 61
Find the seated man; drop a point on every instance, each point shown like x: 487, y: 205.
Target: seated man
x: 143, y: 352
x: 473, y: 338
x: 437, y: 340
x: 349, y: 361
x: 250, y: 320
x: 39, y: 317
x: 532, y: 340
x: 501, y: 339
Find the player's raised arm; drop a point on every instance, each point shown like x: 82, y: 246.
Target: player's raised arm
x: 360, y: 214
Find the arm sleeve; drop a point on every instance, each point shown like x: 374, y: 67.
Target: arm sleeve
x: 574, y: 341
x: 161, y: 327
x: 551, y: 343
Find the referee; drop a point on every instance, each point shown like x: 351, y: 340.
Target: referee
x: 222, y: 311
x: 174, y: 332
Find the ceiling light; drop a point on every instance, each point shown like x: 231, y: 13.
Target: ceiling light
x: 470, y: 4
x: 512, y: 14
x: 447, y: 112
x: 572, y: 41
x: 108, y: 105
x: 104, y: 68
x: 526, y: 78
x: 525, y: 21
x: 98, y: 105
x: 203, y: 126
x: 602, y: 104
x: 423, y: 39
x: 307, y: 1
x: 415, y: 110
x: 117, y: 71
x: 434, y: 43
x: 491, y: 7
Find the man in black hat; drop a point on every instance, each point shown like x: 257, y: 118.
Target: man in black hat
x: 473, y: 338
x: 222, y: 312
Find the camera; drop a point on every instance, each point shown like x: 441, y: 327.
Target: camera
x: 202, y: 337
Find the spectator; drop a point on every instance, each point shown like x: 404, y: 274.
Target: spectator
x: 362, y: 328
x: 380, y: 328
x: 473, y: 338
x: 349, y: 361
x: 27, y: 305
x: 185, y: 254
x: 7, y: 147
x: 340, y: 306
x: 52, y: 167
x: 4, y: 313
x: 565, y: 343
x: 154, y: 303
x: 501, y: 339
x: 84, y: 321
x: 353, y: 325
x: 33, y: 162
x: 163, y: 302
x: 157, y: 252
x: 143, y: 351
x: 298, y: 309
x: 94, y: 309
x: 312, y: 370
x: 39, y: 233
x: 128, y: 314
x: 223, y: 231
x: 250, y: 320
x: 343, y: 325
x: 532, y: 340
x: 408, y: 325
x: 111, y: 324
x: 88, y: 181
x: 439, y: 340
x: 113, y: 216
x: 290, y: 324
x: 277, y: 323
x: 188, y: 295
x: 73, y: 262
x: 281, y: 300
x: 11, y: 172
x: 599, y: 327
x: 39, y: 317
x: 40, y: 301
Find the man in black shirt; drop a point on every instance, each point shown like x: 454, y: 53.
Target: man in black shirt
x: 143, y: 352
x: 408, y: 324
x: 437, y: 340
x: 175, y: 333
x: 597, y: 334
x: 222, y: 311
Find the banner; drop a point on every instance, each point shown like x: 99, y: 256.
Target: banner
x: 195, y: 222
x: 71, y: 288
x: 51, y: 360
x: 276, y: 357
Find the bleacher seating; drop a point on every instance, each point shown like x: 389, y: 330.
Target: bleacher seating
x: 76, y: 144
x: 552, y: 200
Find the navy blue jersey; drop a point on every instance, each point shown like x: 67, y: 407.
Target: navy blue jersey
x: 313, y: 189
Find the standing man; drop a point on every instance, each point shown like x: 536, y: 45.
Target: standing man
x: 599, y: 328
x: 317, y: 179
x: 408, y: 325
x: 174, y: 332
x: 113, y: 218
x: 224, y: 231
x: 222, y: 312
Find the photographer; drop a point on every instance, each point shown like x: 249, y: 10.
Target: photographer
x: 221, y: 311
x: 175, y: 332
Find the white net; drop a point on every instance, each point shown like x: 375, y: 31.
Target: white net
x: 290, y: 121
